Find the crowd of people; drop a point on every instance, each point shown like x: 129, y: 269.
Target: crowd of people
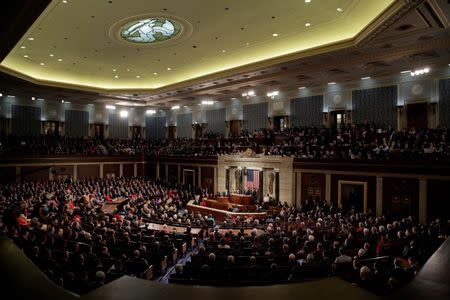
x: 63, y: 228
x: 348, y: 142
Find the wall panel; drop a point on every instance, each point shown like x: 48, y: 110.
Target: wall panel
x: 26, y: 120
x: 307, y: 111
x: 377, y: 105
x: 76, y: 123
x: 184, y: 125
x: 215, y: 119
x: 255, y: 116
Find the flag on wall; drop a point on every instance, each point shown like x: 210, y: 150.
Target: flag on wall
x: 252, y: 179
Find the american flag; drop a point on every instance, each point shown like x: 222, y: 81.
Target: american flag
x: 252, y: 179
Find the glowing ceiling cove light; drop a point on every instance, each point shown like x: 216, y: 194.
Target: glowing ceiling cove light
x: 150, y: 112
x: 207, y: 102
x: 273, y: 94
x: 420, y: 71
x: 175, y: 107
x: 110, y: 107
x: 248, y: 94
x: 123, y: 113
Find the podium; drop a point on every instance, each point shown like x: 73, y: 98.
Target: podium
x: 241, y: 199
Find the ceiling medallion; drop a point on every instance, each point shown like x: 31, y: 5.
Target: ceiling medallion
x: 151, y: 30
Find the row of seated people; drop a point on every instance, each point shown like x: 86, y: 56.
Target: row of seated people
x: 61, y: 223
x: 61, y: 226
x: 348, y: 142
x: 374, y: 253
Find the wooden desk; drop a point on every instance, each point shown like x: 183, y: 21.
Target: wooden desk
x: 220, y: 214
x: 241, y: 199
x: 110, y: 207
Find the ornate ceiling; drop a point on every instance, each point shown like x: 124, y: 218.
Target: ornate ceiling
x: 409, y: 34
x: 81, y: 43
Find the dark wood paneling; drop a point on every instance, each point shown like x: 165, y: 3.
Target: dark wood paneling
x: 151, y: 169
x: 207, y: 178
x: 162, y: 172
x: 182, y: 168
x: 313, y: 184
x: 140, y: 169
x: 376, y: 166
x: 173, y: 173
x: 371, y: 188
x: 69, y: 159
x: 128, y: 170
x: 401, y: 196
x: 111, y: 169
x: 438, y: 199
x: 40, y: 173
x: 7, y: 174
x: 88, y: 171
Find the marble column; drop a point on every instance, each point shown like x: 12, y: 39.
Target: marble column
x: 216, y: 176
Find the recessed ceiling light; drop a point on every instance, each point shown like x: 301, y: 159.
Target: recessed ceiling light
x: 59, y: 59
x: 275, y: 34
x: 23, y: 47
x: 64, y: 1
x: 307, y: 24
x: 51, y: 55
x: 137, y: 76
x: 42, y: 64
x: 331, y: 83
x: 32, y: 98
x: 407, y: 71
x: 247, y: 44
x: 302, y: 88
x: 31, y: 39
x: 62, y: 101
x: 307, y: 1
x: 223, y: 51
x: 168, y: 69
x: 128, y: 70
x: 155, y: 73
x: 364, y: 78
x: 123, y: 113
x: 25, y: 56
x: 114, y: 70
x: 116, y: 76
x: 339, y: 9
